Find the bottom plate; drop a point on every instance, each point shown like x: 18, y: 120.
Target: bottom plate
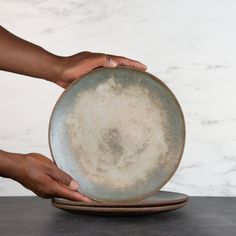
x: 118, y: 211
x: 161, y: 198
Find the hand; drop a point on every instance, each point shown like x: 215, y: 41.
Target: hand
x: 73, y: 67
x: 22, y: 57
x: 40, y: 175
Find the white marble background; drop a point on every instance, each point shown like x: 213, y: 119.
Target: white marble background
x: 188, y: 44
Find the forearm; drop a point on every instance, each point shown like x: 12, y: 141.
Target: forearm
x: 22, y: 57
x: 9, y: 164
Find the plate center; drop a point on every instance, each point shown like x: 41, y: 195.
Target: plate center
x: 118, y: 134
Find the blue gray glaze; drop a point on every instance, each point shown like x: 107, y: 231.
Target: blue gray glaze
x: 67, y: 159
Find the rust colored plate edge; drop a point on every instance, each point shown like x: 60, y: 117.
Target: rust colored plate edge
x: 118, y: 210
x: 143, y: 203
x: 101, y: 205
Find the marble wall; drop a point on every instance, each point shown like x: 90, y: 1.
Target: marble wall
x: 188, y: 44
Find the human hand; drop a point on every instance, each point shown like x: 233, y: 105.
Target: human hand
x: 67, y: 69
x: 40, y: 175
x: 32, y: 60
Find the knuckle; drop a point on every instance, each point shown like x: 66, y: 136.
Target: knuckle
x: 85, y: 53
x: 66, y: 179
x: 50, y: 167
x: 31, y: 154
x: 105, y: 57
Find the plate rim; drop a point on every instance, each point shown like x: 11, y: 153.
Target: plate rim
x: 120, y: 209
x: 130, y: 204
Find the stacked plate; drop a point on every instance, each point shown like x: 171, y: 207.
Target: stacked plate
x: 160, y: 202
x: 120, y: 133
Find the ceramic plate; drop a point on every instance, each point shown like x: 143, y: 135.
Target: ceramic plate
x: 161, y: 198
x: 119, y: 132
x: 118, y: 210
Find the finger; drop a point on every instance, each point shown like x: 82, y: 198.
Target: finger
x: 63, y: 178
x: 128, y: 62
x: 98, y: 60
x: 111, y: 61
x: 83, y: 54
x: 88, y: 64
x: 70, y: 195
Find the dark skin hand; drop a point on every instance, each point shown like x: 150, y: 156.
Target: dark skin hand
x: 40, y: 175
x: 35, y: 171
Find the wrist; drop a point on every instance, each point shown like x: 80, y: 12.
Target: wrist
x: 57, y: 68
x: 10, y: 164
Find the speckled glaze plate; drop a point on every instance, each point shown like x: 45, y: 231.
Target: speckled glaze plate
x: 119, y: 132
x: 162, y: 198
x: 118, y: 211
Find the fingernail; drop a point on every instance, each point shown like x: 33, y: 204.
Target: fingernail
x: 113, y: 62
x: 74, y: 185
x: 144, y: 66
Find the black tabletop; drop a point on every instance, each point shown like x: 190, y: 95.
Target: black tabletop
x: 34, y: 216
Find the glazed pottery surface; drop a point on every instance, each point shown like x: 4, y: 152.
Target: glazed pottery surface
x: 161, y: 198
x: 119, y: 132
x: 120, y: 211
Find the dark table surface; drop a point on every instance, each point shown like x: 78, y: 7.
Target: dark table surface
x: 34, y: 216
